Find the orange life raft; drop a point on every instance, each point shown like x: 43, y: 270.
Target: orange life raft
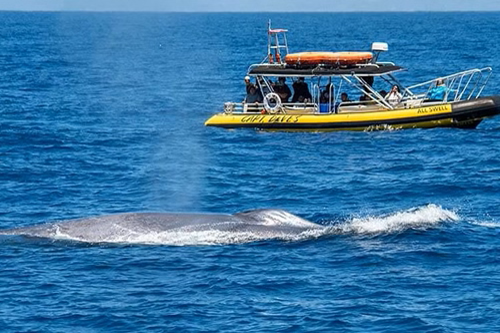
x: 330, y: 58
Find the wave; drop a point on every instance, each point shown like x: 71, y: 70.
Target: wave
x: 487, y: 224
x: 420, y: 217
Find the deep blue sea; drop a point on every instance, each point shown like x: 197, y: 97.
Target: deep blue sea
x: 103, y: 113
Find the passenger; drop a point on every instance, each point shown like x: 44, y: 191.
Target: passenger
x: 300, y: 88
x: 282, y: 89
x: 253, y: 96
x: 439, y: 91
x: 344, y: 97
x: 394, y: 96
x: 324, y: 101
x: 325, y: 97
x: 303, y: 100
x: 383, y: 93
x: 247, y: 83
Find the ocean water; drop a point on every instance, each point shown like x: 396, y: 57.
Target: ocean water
x: 103, y: 113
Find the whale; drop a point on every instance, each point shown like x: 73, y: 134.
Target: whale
x: 173, y: 227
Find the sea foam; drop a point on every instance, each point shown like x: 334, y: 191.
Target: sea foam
x: 420, y: 217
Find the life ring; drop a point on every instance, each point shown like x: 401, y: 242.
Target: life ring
x: 331, y: 58
x: 228, y: 107
x: 272, y: 98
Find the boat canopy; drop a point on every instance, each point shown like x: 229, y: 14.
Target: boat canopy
x: 284, y: 70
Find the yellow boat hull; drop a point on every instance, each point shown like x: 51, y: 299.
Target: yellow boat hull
x: 467, y: 114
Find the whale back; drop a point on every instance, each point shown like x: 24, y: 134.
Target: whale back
x: 276, y: 217
x: 144, y: 227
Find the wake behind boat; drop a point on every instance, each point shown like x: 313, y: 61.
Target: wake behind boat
x: 322, y: 81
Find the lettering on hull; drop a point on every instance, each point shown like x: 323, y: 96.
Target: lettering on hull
x: 261, y: 119
x: 434, y: 109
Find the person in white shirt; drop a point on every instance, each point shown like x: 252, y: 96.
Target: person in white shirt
x: 394, y: 96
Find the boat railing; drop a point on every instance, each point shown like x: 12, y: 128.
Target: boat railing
x: 304, y: 108
x: 385, y: 63
x: 464, y: 85
x: 259, y: 108
x: 316, y: 93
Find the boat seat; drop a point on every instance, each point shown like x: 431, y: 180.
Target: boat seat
x: 299, y: 110
x: 360, y: 108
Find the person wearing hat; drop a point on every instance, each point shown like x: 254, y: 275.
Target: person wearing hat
x: 247, y: 83
x: 439, y: 91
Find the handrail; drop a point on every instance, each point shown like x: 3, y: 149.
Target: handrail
x: 316, y: 95
x: 385, y: 63
x: 475, y: 70
x: 484, y: 84
x: 457, y: 84
x: 232, y: 107
x: 467, y: 72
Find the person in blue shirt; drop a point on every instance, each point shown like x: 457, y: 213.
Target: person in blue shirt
x: 439, y: 91
x: 325, y: 100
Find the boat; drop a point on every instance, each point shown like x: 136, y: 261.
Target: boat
x: 330, y: 75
